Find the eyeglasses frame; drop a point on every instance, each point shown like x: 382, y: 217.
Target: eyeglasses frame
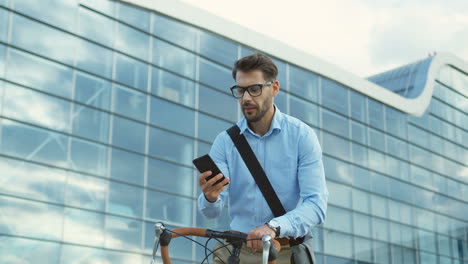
x: 247, y: 89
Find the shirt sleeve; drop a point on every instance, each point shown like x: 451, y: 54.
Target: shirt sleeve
x: 313, y: 189
x: 217, y: 153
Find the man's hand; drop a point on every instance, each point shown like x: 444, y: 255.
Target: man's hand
x: 258, y: 233
x: 212, y: 192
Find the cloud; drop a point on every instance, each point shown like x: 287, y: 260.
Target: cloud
x: 361, y: 36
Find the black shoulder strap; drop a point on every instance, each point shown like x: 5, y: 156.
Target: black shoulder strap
x: 256, y: 170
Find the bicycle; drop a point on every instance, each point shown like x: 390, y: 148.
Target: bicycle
x: 163, y: 237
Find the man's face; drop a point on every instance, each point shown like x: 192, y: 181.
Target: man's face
x: 255, y: 108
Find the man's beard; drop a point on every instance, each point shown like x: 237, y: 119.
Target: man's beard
x: 261, y: 112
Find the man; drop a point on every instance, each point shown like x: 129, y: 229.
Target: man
x: 289, y: 153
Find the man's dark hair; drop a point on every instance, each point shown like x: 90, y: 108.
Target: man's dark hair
x: 256, y: 61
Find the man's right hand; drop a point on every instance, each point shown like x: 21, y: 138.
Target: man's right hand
x: 212, y: 192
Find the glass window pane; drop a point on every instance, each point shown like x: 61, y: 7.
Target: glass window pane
x: 62, y: 16
x: 2, y: 67
x: 176, y: 32
x: 305, y: 111
x: 128, y: 167
x: 377, y: 161
x: 173, y: 87
x: 32, y: 143
x: 336, y: 146
x: 37, y: 108
x: 128, y: 134
x: 444, y: 245
x: 217, y: 103
x: 282, y: 71
x: 4, y: 25
x: 123, y: 233
x: 131, y: 72
x: 381, y: 252
x: 421, y: 177
x: 396, y: 122
x: 92, y: 91
x: 83, y: 227
x: 334, y: 96
x: 86, y: 191
x: 88, y: 20
x: 303, y: 83
x: 93, y: 58
x: 361, y: 178
x: 337, y: 170
x: 105, y: 7
x: 427, y: 258
x: 338, y: 219
x: 70, y: 254
x: 209, y: 127
x: 376, y: 139
x: 338, y: 244
x: 44, y: 41
x: 39, y: 73
x: 358, y: 107
x: 335, y: 123
x: 170, y: 146
x: 218, y: 48
x: 397, y: 147
x: 361, y: 201
x: 359, y: 154
x: 427, y: 241
x: 380, y: 229
x: 170, y: 177
x: 125, y: 200
x: 32, y: 181
x: 376, y: 114
x: 363, y: 249
x: 379, y: 183
x: 132, y: 42
x: 134, y: 16
x: 358, y: 132
x: 163, y: 114
x: 379, y: 206
x: 362, y: 224
x: 166, y: 207
x: 215, y: 75
x: 20, y: 250
x: 130, y: 103
x: 90, y: 123
x: 88, y: 157
x: 174, y: 59
x: 339, y: 194
x: 281, y: 102
x: 20, y: 218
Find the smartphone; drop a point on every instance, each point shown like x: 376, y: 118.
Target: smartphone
x: 205, y: 163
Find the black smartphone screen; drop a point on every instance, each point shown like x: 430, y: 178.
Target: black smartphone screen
x: 205, y: 163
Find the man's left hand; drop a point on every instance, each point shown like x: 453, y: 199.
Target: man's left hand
x: 257, y: 234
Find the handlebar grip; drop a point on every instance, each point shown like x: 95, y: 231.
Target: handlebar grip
x: 274, y: 251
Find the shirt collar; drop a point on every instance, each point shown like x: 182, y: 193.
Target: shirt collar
x: 275, y: 123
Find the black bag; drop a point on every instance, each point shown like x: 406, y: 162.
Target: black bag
x: 300, y: 253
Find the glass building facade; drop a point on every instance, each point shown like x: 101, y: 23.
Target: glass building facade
x: 103, y: 106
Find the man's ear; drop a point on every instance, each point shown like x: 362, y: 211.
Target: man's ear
x: 276, y: 87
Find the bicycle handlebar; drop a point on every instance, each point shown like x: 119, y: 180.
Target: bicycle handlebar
x: 163, y: 237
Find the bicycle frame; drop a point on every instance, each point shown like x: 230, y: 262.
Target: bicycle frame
x: 163, y: 237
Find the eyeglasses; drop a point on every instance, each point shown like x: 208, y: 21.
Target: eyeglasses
x: 254, y: 90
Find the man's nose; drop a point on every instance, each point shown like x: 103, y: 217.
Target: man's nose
x: 246, y: 97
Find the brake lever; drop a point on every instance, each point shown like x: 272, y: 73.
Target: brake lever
x: 158, y: 230
x: 266, y: 243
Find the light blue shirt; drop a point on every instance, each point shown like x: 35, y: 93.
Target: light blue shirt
x: 291, y: 157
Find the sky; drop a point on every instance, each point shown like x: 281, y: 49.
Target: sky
x: 364, y: 37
